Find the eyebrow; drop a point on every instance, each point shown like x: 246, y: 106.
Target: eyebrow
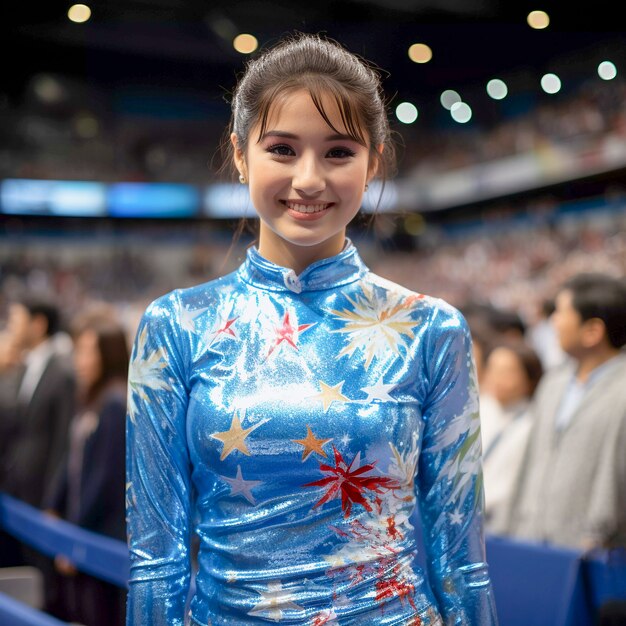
x: 286, y: 135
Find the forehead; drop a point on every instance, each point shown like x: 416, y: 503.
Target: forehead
x: 17, y: 309
x: 564, y: 299
x: 503, y: 355
x: 310, y: 111
x: 299, y: 104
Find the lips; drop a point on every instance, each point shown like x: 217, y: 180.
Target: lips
x: 300, y: 207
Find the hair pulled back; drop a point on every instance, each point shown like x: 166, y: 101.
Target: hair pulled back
x: 323, y: 67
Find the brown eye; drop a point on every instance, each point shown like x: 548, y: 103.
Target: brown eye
x: 281, y: 150
x: 340, y: 153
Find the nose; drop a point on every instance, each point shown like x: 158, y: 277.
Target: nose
x: 308, y: 176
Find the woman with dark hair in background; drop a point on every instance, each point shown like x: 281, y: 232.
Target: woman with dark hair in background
x: 90, y: 490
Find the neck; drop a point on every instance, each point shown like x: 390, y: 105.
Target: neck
x: 298, y: 258
x: 38, y: 342
x: 591, y: 361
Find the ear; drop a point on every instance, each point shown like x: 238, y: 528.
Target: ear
x: 374, y: 163
x: 238, y: 156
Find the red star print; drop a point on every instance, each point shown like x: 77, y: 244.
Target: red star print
x: 287, y: 332
x: 350, y: 483
x: 226, y: 329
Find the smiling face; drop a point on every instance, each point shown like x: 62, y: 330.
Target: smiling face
x: 306, y: 180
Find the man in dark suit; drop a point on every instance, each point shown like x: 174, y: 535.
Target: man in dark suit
x: 44, y: 404
x: 44, y: 407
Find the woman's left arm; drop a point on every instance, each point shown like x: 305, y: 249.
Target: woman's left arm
x: 449, y: 480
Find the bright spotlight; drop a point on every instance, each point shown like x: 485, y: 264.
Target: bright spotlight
x: 538, y: 19
x: 461, y: 112
x: 448, y: 98
x: 245, y: 43
x: 551, y: 83
x: 79, y: 13
x: 420, y: 53
x: 607, y: 70
x: 406, y: 112
x: 497, y: 89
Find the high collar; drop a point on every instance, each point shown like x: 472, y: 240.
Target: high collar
x: 341, y: 269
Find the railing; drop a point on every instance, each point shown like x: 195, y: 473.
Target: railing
x: 533, y: 584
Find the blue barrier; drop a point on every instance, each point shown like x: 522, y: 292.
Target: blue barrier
x: 538, y: 585
x: 14, y: 613
x: 605, y: 575
x: 95, y: 554
x: 533, y: 584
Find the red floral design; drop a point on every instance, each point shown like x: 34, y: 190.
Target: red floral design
x: 350, y: 483
x: 395, y: 587
x: 322, y: 618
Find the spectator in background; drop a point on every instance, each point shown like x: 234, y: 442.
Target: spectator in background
x: 572, y: 487
x: 44, y: 406
x: 44, y: 401
x: 498, y: 322
x: 90, y: 489
x: 512, y: 372
x: 11, y: 372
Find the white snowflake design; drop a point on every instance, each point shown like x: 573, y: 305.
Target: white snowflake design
x: 145, y: 370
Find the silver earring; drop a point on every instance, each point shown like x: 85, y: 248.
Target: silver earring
x: 242, y: 179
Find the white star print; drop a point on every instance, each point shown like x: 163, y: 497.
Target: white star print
x: 273, y: 602
x: 379, y: 391
x: 239, y: 486
x: 456, y: 517
x: 188, y: 318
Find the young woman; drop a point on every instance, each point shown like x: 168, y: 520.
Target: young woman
x: 90, y: 490
x: 295, y: 412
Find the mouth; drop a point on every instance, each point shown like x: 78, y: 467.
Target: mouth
x: 309, y: 207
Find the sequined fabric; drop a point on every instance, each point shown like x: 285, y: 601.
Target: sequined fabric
x: 295, y: 422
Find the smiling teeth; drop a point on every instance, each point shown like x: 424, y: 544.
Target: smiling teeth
x: 307, y: 208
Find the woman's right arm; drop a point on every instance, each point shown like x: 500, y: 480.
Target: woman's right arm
x: 158, y: 486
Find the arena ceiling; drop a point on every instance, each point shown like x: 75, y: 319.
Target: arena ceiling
x: 186, y: 44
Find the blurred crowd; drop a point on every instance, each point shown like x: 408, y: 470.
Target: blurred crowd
x: 583, y: 118
x: 62, y: 428
x: 64, y: 129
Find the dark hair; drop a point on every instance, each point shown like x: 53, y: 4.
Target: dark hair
x: 529, y: 360
x: 321, y: 66
x: 596, y: 295
x: 46, y: 308
x: 112, y: 344
x: 499, y: 321
x: 547, y: 306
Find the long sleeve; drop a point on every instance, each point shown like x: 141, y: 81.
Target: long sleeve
x: 158, y: 471
x: 449, y: 481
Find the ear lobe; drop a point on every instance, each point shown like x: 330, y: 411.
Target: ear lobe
x: 374, y: 163
x: 238, y: 155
